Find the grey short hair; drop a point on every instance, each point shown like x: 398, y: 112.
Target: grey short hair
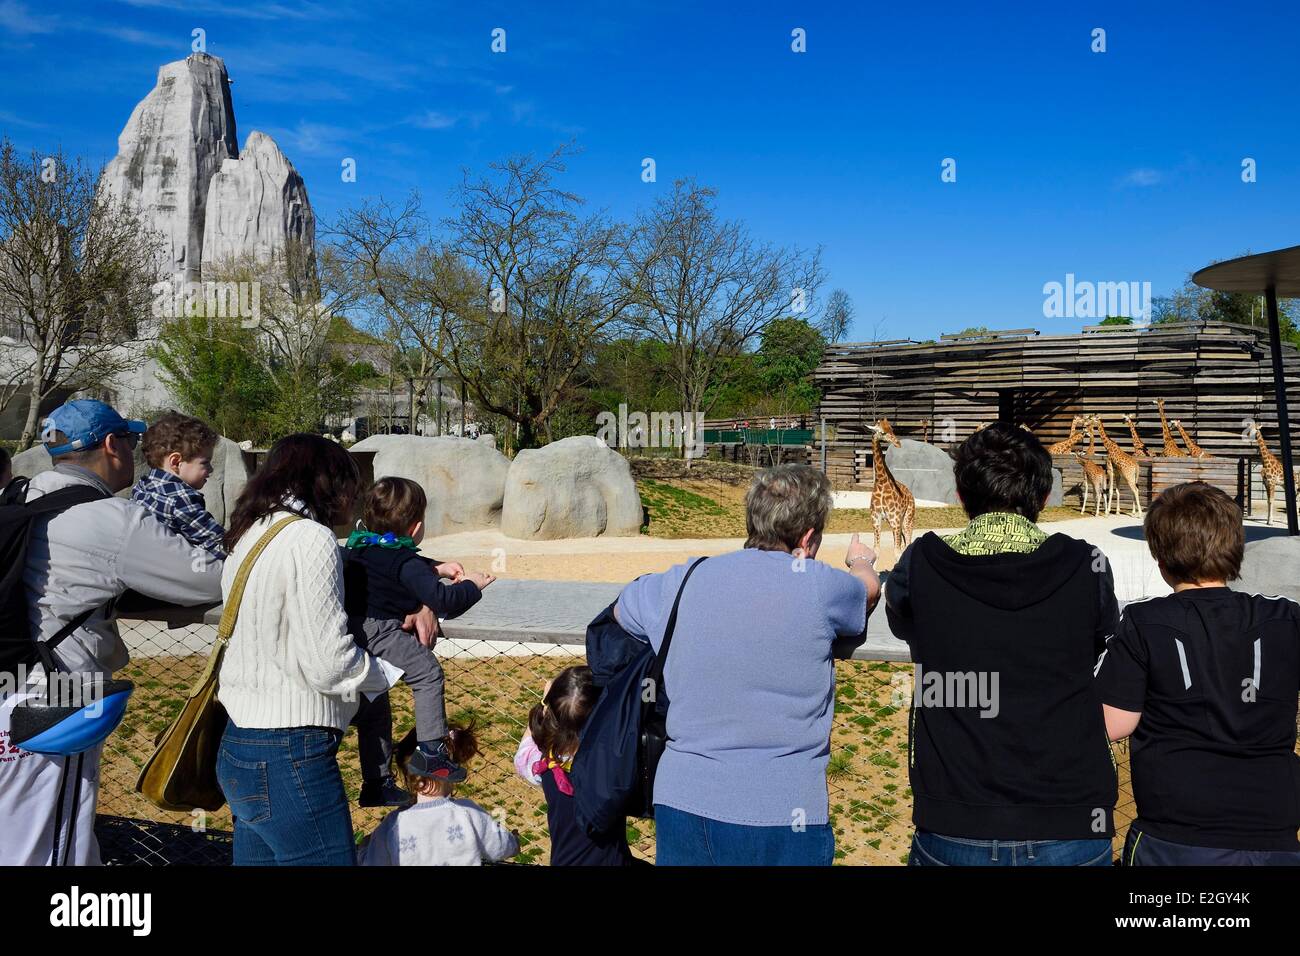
x: 784, y: 502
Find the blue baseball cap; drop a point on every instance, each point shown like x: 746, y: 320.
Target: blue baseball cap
x: 86, y: 422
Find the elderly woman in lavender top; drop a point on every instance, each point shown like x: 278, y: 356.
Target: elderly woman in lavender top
x: 750, y: 677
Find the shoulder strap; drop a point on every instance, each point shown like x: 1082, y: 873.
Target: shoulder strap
x: 657, y: 669
x: 231, y: 611
x: 52, y: 504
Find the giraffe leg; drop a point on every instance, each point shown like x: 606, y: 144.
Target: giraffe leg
x: 875, y: 520
x: 1086, y: 482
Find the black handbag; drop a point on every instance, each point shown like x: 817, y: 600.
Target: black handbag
x: 654, y: 710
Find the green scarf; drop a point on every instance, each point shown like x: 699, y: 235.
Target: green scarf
x: 368, y: 539
x: 997, y: 532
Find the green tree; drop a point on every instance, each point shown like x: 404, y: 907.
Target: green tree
x: 789, y: 351
x: 210, y: 366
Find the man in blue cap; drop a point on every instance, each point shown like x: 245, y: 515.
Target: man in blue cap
x: 79, y: 561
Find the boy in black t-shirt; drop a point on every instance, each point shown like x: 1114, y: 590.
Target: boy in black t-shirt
x: 1206, y: 682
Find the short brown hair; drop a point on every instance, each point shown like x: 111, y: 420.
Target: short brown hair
x: 180, y: 433
x: 462, y: 746
x: 393, y: 504
x: 1194, y: 531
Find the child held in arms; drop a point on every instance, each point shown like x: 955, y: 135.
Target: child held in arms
x: 178, y: 450
x: 386, y: 579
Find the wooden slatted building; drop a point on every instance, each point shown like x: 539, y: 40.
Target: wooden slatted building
x: 1213, y: 376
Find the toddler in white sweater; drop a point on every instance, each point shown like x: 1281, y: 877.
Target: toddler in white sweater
x: 438, y: 830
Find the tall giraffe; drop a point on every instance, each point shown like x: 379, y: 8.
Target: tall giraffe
x: 891, y: 501
x: 1066, y: 445
x: 1270, y: 467
x: 1117, y: 461
x: 1094, y: 476
x: 1139, y: 449
x: 1193, y: 450
x: 1171, y: 447
x: 925, y: 430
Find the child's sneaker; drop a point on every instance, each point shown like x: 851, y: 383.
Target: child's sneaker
x: 432, y: 760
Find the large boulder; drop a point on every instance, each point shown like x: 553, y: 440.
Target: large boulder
x: 463, y: 479
x: 925, y: 469
x: 577, y: 487
x: 1271, y: 566
x: 229, y: 474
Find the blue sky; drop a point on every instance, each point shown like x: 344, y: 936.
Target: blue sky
x: 1115, y: 166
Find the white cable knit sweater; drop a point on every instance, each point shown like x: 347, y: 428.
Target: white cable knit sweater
x: 291, y: 661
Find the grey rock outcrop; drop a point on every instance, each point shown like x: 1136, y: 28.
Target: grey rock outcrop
x: 176, y: 140
x: 574, y: 488
x: 256, y: 205
x: 925, y: 469
x: 1271, y: 566
x: 464, y: 480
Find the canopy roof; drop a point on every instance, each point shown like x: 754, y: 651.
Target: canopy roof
x: 1279, y: 269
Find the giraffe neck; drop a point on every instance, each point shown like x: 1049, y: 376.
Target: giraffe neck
x: 1264, y: 453
x: 882, y: 480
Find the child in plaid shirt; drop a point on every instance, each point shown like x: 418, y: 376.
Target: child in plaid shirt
x: 178, y: 450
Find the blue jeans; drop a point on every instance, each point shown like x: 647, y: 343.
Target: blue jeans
x: 931, y: 849
x: 286, y: 795
x: 685, y: 839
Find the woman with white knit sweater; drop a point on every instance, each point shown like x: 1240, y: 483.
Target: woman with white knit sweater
x: 291, y: 675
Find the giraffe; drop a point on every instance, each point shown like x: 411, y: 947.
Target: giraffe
x: 1117, y: 461
x: 1066, y: 445
x: 925, y: 430
x: 1139, y: 449
x: 1171, y: 447
x: 890, y: 499
x: 1094, y: 476
x: 1193, y: 450
x: 1270, y: 468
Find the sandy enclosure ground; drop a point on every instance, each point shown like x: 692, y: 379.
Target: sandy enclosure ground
x: 600, y: 559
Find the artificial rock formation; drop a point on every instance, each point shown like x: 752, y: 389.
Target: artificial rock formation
x: 176, y: 140
x: 256, y: 205
x: 463, y: 479
x: 577, y: 487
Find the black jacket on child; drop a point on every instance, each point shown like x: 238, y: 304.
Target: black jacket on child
x: 1007, y: 740
x: 390, y: 583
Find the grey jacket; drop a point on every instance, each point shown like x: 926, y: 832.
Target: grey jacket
x: 90, y: 554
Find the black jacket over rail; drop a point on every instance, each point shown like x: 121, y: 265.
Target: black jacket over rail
x: 1039, y: 767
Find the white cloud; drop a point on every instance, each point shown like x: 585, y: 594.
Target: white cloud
x: 1143, y: 176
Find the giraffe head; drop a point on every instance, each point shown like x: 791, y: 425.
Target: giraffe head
x: 1128, y: 419
x: 882, y: 429
x: 1254, y: 432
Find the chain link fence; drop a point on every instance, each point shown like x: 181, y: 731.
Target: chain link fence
x: 495, y: 684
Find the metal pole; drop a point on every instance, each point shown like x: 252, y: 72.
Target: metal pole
x: 1283, y: 419
x: 462, y: 408
x: 438, y: 382
x: 823, y: 444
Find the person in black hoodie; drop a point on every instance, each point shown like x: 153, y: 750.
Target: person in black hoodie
x: 1008, y: 753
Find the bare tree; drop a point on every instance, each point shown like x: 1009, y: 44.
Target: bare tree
x: 410, y: 285
x: 837, y: 316
x: 709, y: 289
x: 297, y: 313
x: 77, y: 266
x: 554, y: 284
